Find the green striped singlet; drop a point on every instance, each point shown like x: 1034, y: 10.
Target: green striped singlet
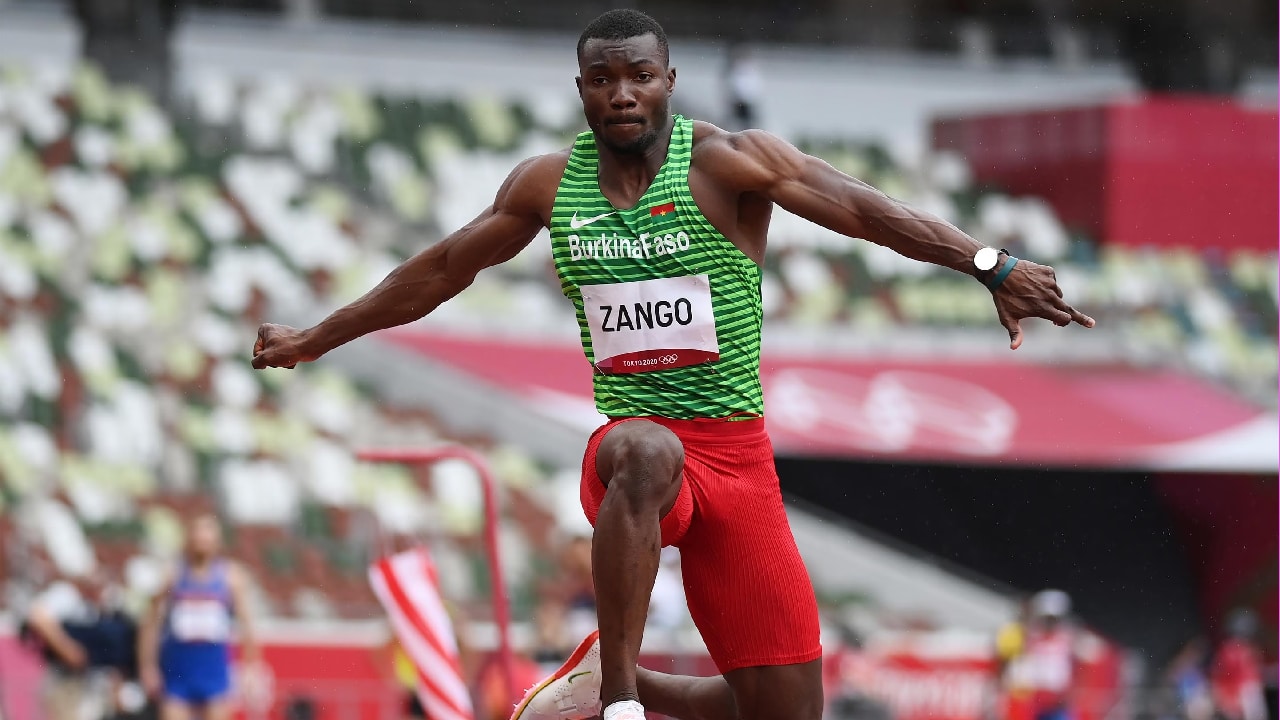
x: 601, y: 252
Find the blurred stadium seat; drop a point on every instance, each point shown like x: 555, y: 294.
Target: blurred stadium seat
x: 139, y: 250
x: 136, y: 265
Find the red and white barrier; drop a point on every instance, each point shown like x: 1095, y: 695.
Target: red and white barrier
x: 409, y: 589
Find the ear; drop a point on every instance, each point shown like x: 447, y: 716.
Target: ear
x: 671, y: 81
x: 578, y: 82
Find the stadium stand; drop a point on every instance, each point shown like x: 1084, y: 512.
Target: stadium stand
x: 134, y: 270
x: 139, y: 249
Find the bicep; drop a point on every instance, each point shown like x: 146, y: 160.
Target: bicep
x: 808, y: 186
x: 501, y: 231
x: 494, y: 237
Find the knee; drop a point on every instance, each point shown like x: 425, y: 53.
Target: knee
x: 642, y: 461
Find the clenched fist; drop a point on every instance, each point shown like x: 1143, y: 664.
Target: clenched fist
x: 280, y: 346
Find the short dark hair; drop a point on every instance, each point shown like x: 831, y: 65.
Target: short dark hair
x: 623, y: 24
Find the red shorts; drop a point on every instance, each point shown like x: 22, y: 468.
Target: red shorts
x: 747, y: 588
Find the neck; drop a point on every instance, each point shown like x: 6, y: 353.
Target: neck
x: 630, y: 172
x: 199, y: 562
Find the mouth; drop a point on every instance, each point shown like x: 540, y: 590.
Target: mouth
x: 629, y: 121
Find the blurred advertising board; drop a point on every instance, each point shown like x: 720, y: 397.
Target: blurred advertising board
x: 1187, y: 171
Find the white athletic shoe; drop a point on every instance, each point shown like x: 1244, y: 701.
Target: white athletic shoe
x: 572, y: 692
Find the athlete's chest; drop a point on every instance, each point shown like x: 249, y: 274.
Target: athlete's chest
x: 743, y: 221
x: 640, y: 231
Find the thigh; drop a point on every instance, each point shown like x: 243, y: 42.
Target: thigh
x: 778, y: 692
x: 746, y: 585
x: 175, y: 709
x: 218, y: 709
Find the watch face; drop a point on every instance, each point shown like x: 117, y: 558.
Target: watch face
x: 985, y: 259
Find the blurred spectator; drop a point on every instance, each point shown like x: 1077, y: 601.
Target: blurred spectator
x: 1011, y: 647
x: 1235, y: 676
x: 1049, y: 667
x: 580, y: 603
x: 567, y: 607
x: 1049, y: 655
x: 551, y: 643
x: 400, y: 669
x: 850, y: 675
x: 1189, y: 683
x: 744, y: 86
x: 184, y: 646
x: 87, y: 641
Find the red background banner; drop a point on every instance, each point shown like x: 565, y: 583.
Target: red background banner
x: 1162, y: 171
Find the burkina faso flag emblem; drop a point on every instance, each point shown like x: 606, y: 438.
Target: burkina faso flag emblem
x: 664, y: 209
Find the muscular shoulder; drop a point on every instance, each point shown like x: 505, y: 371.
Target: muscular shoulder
x: 544, y: 168
x: 746, y: 161
x: 531, y: 186
x: 713, y: 144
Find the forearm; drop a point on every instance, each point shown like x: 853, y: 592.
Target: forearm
x: 408, y: 293
x: 812, y: 189
x: 148, y: 634
x: 59, y: 642
x: 250, y: 648
x: 855, y: 209
x: 922, y: 236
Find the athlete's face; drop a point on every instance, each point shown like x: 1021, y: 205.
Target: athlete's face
x: 206, y: 538
x: 625, y: 88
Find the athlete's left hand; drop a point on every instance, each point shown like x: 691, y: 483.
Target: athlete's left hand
x: 255, y: 680
x: 1031, y: 290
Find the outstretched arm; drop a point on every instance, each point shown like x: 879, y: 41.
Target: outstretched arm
x: 424, y: 281
x: 759, y: 162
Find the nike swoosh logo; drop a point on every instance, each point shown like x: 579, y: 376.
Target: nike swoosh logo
x: 574, y: 676
x: 577, y: 224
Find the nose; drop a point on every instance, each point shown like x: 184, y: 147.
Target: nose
x: 623, y: 97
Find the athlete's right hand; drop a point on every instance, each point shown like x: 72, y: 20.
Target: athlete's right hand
x: 280, y: 346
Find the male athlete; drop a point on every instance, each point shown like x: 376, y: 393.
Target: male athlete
x: 658, y: 228
x: 184, y: 642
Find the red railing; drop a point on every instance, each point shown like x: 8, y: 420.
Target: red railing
x: 501, y: 601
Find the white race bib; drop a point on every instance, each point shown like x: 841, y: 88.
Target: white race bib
x: 201, y: 621
x: 651, y: 324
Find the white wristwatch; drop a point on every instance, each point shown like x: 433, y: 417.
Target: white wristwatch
x: 986, y: 258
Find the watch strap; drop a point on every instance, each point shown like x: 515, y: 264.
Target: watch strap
x: 1003, y: 274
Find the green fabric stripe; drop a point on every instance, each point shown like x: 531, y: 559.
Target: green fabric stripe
x: 729, y: 385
